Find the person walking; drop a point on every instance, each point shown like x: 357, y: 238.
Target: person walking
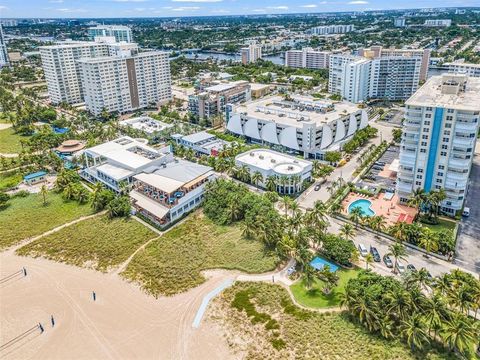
x: 94, y: 296
x: 24, y: 271
x: 52, y: 320
x: 41, y: 328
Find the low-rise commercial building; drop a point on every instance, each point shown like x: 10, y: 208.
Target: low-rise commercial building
x: 287, y: 172
x: 213, y: 99
x: 146, y: 124
x: 168, y: 192
x: 260, y: 90
x: 301, y: 125
x: 117, y: 161
x: 202, y: 143
x: 307, y: 58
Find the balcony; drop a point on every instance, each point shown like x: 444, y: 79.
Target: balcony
x: 466, y: 126
x: 459, y: 163
x: 408, y: 158
x: 463, y: 141
x: 404, y: 187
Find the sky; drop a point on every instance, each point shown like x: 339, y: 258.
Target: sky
x: 178, y: 8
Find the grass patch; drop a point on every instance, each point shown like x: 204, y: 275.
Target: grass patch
x: 302, y: 334
x: 27, y: 216
x: 442, y: 225
x: 10, y: 141
x: 9, y: 180
x: 109, y: 245
x: 315, y: 298
x: 173, y: 263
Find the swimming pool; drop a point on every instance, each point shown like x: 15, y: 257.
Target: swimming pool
x: 364, y: 205
x: 318, y: 263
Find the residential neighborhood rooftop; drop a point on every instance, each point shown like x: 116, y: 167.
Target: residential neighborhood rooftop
x: 267, y: 159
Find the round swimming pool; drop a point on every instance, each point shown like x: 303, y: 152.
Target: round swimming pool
x: 364, y: 205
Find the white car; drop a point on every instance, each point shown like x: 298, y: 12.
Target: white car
x: 400, y: 267
x: 363, y: 250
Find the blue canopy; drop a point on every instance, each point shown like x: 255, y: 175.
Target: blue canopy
x: 34, y: 175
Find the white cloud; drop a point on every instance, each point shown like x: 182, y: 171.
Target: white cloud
x: 310, y: 6
x: 186, y: 8
x: 221, y: 11
x: 281, y: 7
x: 358, y: 2
x: 259, y: 10
x: 126, y: 1
x: 56, y: 1
x: 68, y: 10
x: 198, y: 1
x: 2, y: 7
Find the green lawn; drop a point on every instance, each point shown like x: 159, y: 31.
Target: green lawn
x: 9, y: 180
x: 277, y: 329
x: 99, y: 242
x: 442, y: 224
x: 26, y: 217
x: 315, y: 298
x: 10, y: 142
x: 173, y: 263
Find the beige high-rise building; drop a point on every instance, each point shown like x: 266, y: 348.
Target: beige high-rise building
x: 307, y: 58
x: 251, y: 53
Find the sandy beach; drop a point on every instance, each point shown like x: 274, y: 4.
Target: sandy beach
x: 123, y: 322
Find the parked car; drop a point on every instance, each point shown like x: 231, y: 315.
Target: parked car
x: 317, y: 187
x: 375, y: 254
x: 466, y: 212
x: 363, y: 250
x: 388, y: 261
x: 411, y: 267
x: 400, y: 267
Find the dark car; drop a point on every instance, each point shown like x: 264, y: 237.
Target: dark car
x: 317, y: 187
x: 388, y: 261
x: 375, y: 254
x: 411, y: 267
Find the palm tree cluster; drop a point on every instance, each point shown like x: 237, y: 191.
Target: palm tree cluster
x: 320, y: 170
x: 424, y: 312
x: 360, y: 138
x: 428, y: 204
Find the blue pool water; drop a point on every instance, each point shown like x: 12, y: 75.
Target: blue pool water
x: 364, y: 205
x: 318, y: 263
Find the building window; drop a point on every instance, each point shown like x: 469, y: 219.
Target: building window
x: 443, y: 153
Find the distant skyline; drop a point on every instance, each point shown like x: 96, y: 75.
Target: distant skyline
x: 179, y: 8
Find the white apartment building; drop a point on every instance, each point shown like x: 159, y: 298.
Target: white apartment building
x: 60, y: 65
x: 119, y: 32
x: 301, y: 125
x: 438, y: 22
x: 331, y: 29
x: 289, y: 171
x: 349, y: 77
x: 8, y: 22
x: 468, y: 69
x: 119, y: 160
x: 399, y: 22
x: 4, y: 60
x: 307, y: 58
x: 125, y: 83
x: 439, y: 137
x: 251, y: 53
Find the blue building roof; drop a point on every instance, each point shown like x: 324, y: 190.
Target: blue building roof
x: 60, y: 130
x: 34, y: 175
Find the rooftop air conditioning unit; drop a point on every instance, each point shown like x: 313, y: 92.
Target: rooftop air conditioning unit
x: 252, y: 154
x: 261, y: 157
x: 273, y: 161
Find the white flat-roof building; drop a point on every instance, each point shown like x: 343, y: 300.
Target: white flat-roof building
x: 202, y: 142
x: 4, y: 60
x: 288, y: 171
x: 439, y: 136
x: 168, y: 192
x: 400, y: 22
x: 438, y: 22
x: 468, y: 69
x: 331, y: 29
x: 146, y: 124
x: 301, y: 125
x: 119, y: 32
x: 349, y: 77
x: 119, y: 160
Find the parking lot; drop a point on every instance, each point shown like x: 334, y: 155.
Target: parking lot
x: 379, y: 174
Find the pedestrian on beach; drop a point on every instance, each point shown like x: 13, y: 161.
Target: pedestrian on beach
x: 24, y: 271
x: 41, y: 328
x: 273, y: 278
x: 94, y: 296
x: 53, y: 321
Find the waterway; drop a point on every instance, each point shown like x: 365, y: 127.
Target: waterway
x: 202, y: 55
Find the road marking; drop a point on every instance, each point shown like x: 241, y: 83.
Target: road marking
x: 206, y: 300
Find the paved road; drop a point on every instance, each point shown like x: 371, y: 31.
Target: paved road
x: 433, y: 265
x: 310, y: 196
x: 468, y: 241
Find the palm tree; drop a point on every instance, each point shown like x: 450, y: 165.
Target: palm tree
x: 248, y: 228
x: 399, y: 303
x: 308, y: 276
x: 385, y: 327
x: 459, y: 333
x: 256, y: 178
x: 356, y: 215
x: 399, y: 231
x: 271, y: 183
x: 418, y: 198
x: 398, y: 251
x: 368, y: 260
x: 435, y: 312
x: 377, y: 223
x: 44, y: 192
x: 286, y: 202
x: 95, y: 199
x: 347, y: 231
x: 243, y: 173
x: 413, y: 330
x: 329, y: 279
x: 429, y: 240
x: 420, y: 278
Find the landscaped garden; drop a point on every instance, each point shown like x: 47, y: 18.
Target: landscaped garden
x: 173, y: 263
x: 245, y: 311
x: 314, y: 296
x: 10, y: 179
x: 100, y: 243
x: 27, y: 216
